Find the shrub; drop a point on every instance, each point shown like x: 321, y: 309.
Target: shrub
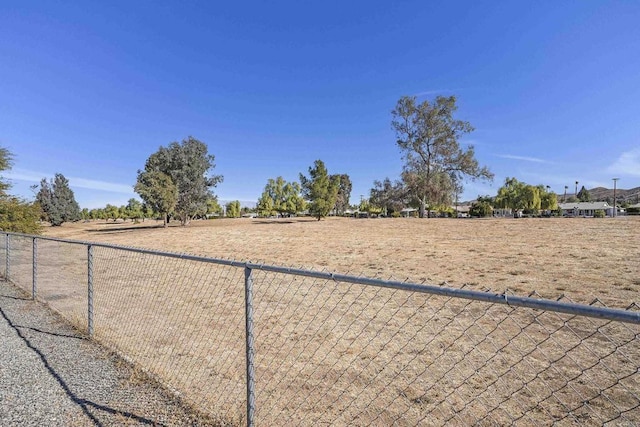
x: 480, y: 209
x: 19, y: 216
x: 598, y: 214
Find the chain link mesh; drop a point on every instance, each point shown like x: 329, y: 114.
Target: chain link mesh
x: 62, y: 279
x: 183, y: 321
x: 20, y: 260
x: 3, y: 254
x: 331, y: 352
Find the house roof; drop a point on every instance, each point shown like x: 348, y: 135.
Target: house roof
x: 584, y: 206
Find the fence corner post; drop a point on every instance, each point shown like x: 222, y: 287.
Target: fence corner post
x: 34, y: 288
x: 90, y: 290
x: 248, y: 292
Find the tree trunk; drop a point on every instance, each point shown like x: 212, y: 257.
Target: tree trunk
x: 423, y: 207
x: 166, y: 222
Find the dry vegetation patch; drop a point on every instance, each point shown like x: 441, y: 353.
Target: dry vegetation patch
x: 583, y: 258
x: 343, y: 354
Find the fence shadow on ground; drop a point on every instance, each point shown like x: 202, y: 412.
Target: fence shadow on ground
x: 84, y: 404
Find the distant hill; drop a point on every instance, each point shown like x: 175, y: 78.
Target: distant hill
x: 602, y: 194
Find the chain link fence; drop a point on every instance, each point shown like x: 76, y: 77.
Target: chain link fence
x: 255, y: 344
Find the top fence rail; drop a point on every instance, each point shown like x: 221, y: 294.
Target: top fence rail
x: 592, y: 311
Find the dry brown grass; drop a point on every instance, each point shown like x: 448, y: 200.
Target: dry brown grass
x: 583, y: 258
x: 329, y: 352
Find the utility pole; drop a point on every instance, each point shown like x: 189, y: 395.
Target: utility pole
x: 576, y: 193
x: 615, y: 210
x: 564, y: 199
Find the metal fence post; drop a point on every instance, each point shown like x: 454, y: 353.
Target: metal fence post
x: 34, y: 289
x: 6, y: 271
x: 90, y: 289
x: 251, y: 398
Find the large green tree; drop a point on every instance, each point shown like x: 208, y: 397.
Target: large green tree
x: 510, y: 194
x: 188, y: 165
x: 282, y: 197
x: 390, y: 197
x: 213, y: 206
x: 320, y: 189
x: 134, y: 209
x: 344, y: 193
x: 19, y: 216
x: 16, y: 215
x: 434, y: 163
x: 480, y: 209
x: 583, y: 195
x: 516, y: 195
x: 6, y: 161
x: 233, y: 209
x: 111, y: 212
x: 58, y: 201
x: 158, y: 191
x: 548, y: 199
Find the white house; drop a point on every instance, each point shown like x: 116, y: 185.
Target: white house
x: 585, y: 208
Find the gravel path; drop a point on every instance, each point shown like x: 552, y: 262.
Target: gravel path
x: 52, y: 375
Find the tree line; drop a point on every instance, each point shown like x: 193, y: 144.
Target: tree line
x: 435, y: 166
x: 177, y: 180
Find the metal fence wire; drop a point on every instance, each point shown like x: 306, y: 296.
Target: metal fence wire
x: 265, y: 345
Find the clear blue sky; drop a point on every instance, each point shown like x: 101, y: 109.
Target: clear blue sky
x: 91, y: 89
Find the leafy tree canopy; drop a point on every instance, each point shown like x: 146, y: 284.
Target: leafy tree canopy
x: 282, y: 197
x: 213, y: 207
x: 233, y: 209
x: 515, y: 194
x: 344, y: 193
x: 320, y: 189
x: 158, y: 191
x: 428, y: 136
x: 16, y: 215
x: 188, y: 166
x: 390, y: 197
x: 583, y: 195
x: 480, y: 209
x: 58, y: 201
x: 6, y: 161
x: 19, y: 216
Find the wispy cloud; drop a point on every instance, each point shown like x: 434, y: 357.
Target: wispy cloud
x: 101, y: 185
x: 627, y: 164
x: 523, y: 158
x: 33, y: 176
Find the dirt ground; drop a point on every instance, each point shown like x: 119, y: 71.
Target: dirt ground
x: 580, y: 258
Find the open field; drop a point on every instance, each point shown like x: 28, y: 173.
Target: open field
x: 345, y: 354
x: 583, y: 258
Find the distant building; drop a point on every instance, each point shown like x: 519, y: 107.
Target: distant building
x: 503, y: 212
x: 407, y: 212
x: 462, y: 211
x: 585, y: 208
